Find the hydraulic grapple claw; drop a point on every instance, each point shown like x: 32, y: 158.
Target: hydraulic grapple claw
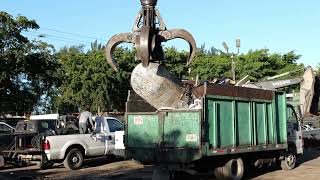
x: 113, y: 43
x: 182, y: 34
x: 149, y: 31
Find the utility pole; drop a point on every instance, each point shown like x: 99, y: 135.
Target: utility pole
x: 232, y: 55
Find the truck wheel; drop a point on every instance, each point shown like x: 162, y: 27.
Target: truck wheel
x: 20, y: 163
x: 73, y: 160
x: 233, y: 169
x: 289, y: 161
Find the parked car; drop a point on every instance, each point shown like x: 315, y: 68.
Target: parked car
x: 73, y: 149
x: 6, y: 140
x: 6, y: 135
x: 11, y: 120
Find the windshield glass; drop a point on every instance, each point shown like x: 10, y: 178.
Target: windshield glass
x: 291, y: 115
x: 46, y: 125
x: 41, y: 126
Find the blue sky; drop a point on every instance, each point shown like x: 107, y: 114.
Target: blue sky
x: 279, y: 25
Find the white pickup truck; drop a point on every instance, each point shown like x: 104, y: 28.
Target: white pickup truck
x: 73, y: 149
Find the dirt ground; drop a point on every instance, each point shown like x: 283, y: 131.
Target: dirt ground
x: 308, y: 168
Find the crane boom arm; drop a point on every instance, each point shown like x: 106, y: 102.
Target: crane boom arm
x: 276, y: 84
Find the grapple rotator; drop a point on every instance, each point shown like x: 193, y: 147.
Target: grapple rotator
x: 149, y: 31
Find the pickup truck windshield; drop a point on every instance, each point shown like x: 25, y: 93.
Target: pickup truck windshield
x: 46, y: 125
x: 115, y: 125
x: 41, y: 126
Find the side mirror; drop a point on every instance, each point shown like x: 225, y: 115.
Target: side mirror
x: 299, y: 113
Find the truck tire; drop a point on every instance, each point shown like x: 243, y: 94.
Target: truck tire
x: 20, y: 163
x: 73, y: 160
x: 289, y: 161
x: 233, y: 169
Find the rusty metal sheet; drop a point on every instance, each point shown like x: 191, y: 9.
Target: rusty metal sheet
x: 232, y: 91
x: 253, y: 93
x: 135, y: 103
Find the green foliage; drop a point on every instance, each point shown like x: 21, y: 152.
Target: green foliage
x: 257, y: 64
x: 210, y: 67
x: 318, y: 70
x: 175, y: 62
x: 27, y: 68
x: 89, y: 81
x: 260, y: 64
x: 32, y: 73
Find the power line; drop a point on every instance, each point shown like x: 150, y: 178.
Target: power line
x: 44, y: 35
x: 57, y: 39
x: 72, y: 34
x: 64, y: 32
x: 56, y: 36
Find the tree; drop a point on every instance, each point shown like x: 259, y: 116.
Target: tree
x: 176, y: 61
x: 27, y: 68
x: 257, y: 64
x: 88, y: 80
x: 95, y: 46
x: 318, y: 70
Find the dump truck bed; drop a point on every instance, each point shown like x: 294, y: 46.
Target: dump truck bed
x: 232, y: 120
x: 162, y: 135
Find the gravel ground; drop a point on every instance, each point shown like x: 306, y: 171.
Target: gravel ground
x: 308, y: 168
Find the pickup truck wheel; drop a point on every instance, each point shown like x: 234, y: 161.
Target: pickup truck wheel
x: 20, y: 163
x: 73, y: 160
x: 289, y: 161
x: 46, y: 165
x: 233, y: 169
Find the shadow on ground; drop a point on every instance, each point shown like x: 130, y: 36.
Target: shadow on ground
x: 309, y: 154
x: 107, y: 169
x: 91, y: 167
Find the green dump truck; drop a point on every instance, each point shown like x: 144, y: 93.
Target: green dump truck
x: 236, y: 127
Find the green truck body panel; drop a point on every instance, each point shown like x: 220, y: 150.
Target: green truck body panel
x: 186, y: 137
x: 178, y: 132
x: 143, y: 131
x: 225, y: 125
x: 239, y: 122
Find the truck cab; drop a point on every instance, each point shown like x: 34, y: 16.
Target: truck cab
x: 295, y: 138
x: 105, y: 133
